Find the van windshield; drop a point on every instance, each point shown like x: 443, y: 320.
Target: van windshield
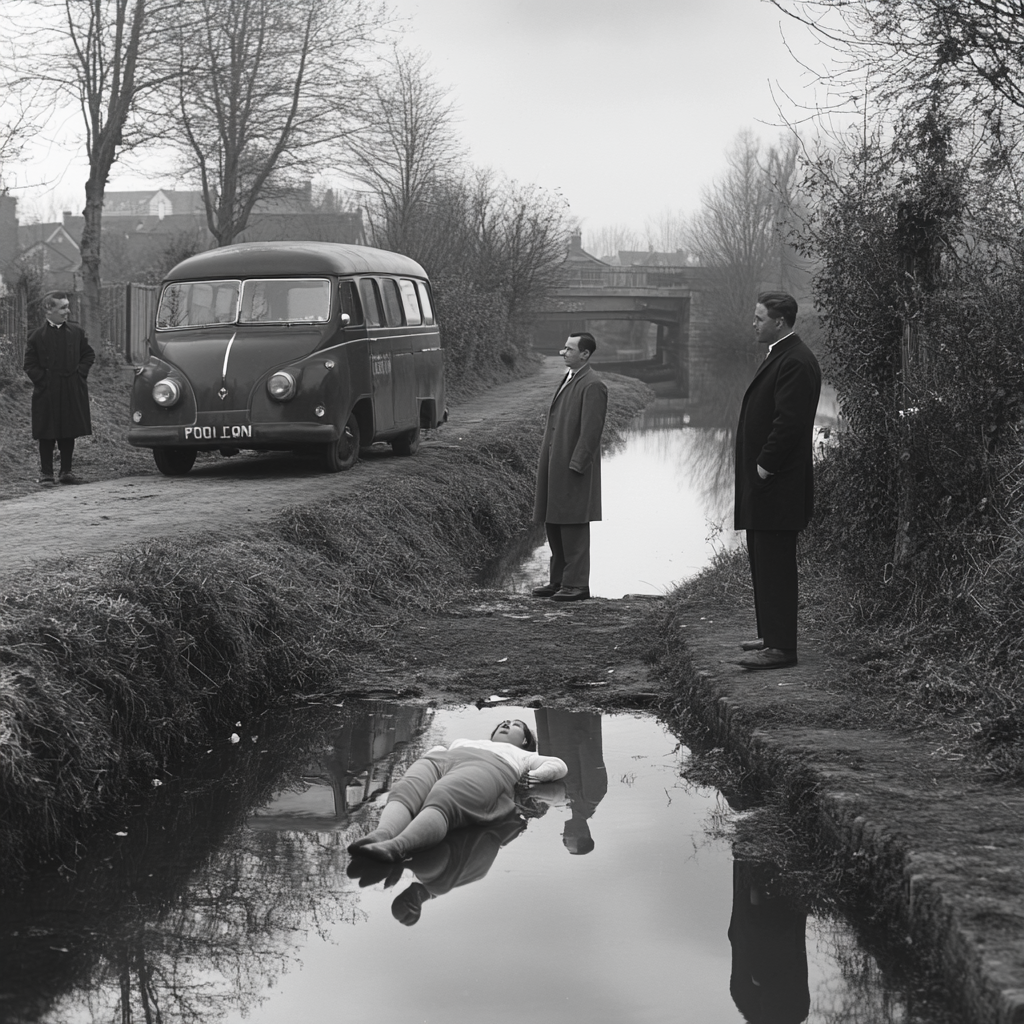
x: 197, y: 304
x: 285, y: 301
x: 258, y: 301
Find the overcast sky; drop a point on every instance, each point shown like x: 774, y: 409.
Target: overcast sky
x: 626, y: 107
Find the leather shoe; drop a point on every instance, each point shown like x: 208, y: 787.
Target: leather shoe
x: 770, y: 657
x: 571, y: 594
x: 752, y: 645
x: 548, y: 590
x: 69, y: 478
x: 47, y: 481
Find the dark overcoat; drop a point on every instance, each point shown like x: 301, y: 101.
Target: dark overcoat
x: 569, y: 472
x: 775, y: 431
x: 57, y: 361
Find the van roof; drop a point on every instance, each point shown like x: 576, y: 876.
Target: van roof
x: 262, y: 259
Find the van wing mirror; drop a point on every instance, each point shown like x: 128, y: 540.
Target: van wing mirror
x: 345, y: 319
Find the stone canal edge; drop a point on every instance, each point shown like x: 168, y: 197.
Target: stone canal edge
x: 943, y: 850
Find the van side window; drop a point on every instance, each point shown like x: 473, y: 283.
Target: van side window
x: 409, y: 303
x: 349, y: 298
x: 371, y: 304
x: 392, y: 303
x: 424, y: 293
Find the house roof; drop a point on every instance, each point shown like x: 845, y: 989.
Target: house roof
x: 61, y: 247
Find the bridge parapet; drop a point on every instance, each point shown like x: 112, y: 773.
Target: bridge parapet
x: 664, y: 279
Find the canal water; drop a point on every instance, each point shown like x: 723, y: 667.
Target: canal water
x: 611, y: 896
x: 667, y: 504
x: 666, y: 493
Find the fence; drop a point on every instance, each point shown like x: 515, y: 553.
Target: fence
x: 126, y: 312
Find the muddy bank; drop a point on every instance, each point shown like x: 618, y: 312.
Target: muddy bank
x: 933, y: 850
x: 120, y: 654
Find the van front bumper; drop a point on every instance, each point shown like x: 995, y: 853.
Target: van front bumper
x: 232, y: 435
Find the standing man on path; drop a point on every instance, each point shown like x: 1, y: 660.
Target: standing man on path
x: 569, y: 474
x: 57, y: 360
x: 775, y: 476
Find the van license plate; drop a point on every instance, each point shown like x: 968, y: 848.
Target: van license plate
x: 225, y: 432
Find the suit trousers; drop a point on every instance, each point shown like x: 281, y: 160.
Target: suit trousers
x: 772, y: 556
x: 570, y: 554
x: 66, y: 447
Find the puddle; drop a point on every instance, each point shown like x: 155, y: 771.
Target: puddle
x: 617, y: 898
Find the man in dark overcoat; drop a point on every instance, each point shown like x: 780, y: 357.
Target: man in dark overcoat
x: 775, y: 476
x: 57, y: 360
x: 568, y: 495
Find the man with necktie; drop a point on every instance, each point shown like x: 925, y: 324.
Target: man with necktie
x: 57, y: 360
x: 568, y: 495
x: 775, y: 476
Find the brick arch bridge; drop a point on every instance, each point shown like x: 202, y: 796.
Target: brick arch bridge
x: 646, y: 320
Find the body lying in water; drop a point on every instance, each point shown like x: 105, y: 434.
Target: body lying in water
x: 470, y: 782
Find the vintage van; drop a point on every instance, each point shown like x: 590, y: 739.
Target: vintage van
x: 282, y: 346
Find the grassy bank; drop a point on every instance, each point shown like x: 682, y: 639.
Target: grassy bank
x: 111, y: 673
x: 906, y: 673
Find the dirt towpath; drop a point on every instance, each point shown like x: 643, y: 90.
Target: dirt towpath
x: 222, y: 495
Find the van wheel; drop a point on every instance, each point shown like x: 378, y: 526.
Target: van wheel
x: 408, y: 443
x: 343, y: 453
x: 174, y: 461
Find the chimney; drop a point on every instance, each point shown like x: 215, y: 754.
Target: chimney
x: 576, y: 241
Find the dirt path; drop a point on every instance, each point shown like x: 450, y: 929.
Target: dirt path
x: 223, y: 495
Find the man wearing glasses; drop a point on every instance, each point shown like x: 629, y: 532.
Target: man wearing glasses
x: 568, y: 496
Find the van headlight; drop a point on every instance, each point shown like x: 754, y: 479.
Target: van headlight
x: 166, y: 392
x: 282, y: 386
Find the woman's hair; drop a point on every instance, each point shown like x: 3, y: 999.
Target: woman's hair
x: 529, y: 740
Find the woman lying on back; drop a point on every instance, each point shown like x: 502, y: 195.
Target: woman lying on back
x: 470, y: 782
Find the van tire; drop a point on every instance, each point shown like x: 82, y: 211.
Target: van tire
x: 344, y: 453
x: 174, y: 461
x: 408, y: 443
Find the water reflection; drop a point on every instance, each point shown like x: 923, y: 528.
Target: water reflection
x: 363, y: 756
x: 205, y: 909
x: 769, y: 952
x: 575, y: 737
x: 667, y: 493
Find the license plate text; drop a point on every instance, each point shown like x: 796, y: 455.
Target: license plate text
x: 225, y: 432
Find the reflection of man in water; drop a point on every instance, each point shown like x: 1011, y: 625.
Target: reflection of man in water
x: 575, y: 737
x: 769, y: 957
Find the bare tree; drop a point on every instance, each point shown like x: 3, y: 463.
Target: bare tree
x: 667, y: 231
x: 965, y: 56
x: 529, y: 231
x: 406, y: 150
x: 738, y: 237
x: 99, y: 54
x: 263, y: 95
x: 609, y: 241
